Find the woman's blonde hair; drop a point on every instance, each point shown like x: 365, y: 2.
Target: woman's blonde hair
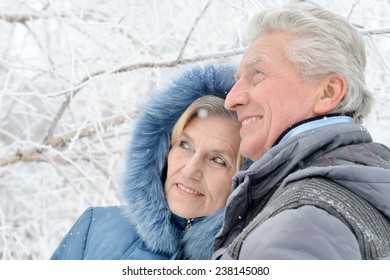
x: 208, y: 105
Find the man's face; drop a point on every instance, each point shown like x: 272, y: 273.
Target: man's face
x: 269, y: 95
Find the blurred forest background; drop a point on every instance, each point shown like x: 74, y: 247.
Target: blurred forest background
x: 74, y: 73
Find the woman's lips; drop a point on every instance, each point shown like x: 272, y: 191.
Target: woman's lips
x: 188, y: 190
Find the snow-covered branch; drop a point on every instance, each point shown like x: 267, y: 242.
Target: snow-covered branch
x: 19, y: 18
x: 372, y: 32
x: 164, y: 64
x: 35, y: 154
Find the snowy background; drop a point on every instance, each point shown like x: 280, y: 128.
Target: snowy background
x: 73, y: 74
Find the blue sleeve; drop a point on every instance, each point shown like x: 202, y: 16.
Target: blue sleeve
x: 72, y: 246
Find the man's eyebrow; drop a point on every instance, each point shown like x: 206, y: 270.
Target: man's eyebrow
x: 250, y: 64
x: 254, y: 62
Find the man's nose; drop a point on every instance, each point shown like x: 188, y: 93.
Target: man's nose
x: 193, y: 168
x: 237, y: 96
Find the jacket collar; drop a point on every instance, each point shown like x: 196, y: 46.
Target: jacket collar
x: 313, y: 123
x: 184, y: 224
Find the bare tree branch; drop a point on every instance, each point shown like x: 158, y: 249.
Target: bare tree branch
x: 379, y: 31
x: 19, y: 18
x: 352, y: 9
x: 35, y: 154
x: 38, y: 155
x: 380, y: 55
x: 127, y: 68
x: 192, y: 29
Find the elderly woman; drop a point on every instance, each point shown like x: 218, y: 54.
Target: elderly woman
x: 182, y: 156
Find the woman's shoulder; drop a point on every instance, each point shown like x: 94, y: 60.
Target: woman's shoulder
x: 110, y: 233
x: 108, y: 220
x: 99, y: 233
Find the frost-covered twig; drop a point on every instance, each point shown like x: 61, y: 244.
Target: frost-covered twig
x: 35, y: 154
x: 192, y: 29
x: 53, y: 162
x: 352, y: 9
x: 38, y: 155
x: 379, y: 31
x: 380, y: 55
x: 19, y: 18
x: 88, y: 131
x: 143, y: 65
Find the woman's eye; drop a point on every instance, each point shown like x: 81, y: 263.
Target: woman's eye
x: 184, y: 145
x: 219, y: 160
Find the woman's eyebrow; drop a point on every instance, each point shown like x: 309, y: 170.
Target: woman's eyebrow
x: 224, y: 151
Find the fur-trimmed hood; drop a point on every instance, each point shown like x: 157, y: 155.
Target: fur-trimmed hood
x: 147, y: 208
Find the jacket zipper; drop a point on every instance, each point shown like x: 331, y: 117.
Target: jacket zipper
x: 188, y: 224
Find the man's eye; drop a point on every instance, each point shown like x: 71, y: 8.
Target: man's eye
x: 257, y: 71
x: 258, y: 76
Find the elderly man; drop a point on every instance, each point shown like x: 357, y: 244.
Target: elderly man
x: 319, y: 187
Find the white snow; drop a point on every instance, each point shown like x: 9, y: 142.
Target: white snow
x: 73, y: 75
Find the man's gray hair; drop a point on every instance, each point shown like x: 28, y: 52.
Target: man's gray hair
x: 322, y: 43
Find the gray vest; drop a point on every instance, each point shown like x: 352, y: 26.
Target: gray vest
x: 370, y: 226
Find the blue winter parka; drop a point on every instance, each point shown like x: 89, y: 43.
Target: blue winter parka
x: 144, y: 227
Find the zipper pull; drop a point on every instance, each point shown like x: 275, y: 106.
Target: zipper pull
x: 188, y: 224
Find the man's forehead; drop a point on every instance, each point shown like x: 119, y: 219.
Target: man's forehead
x: 254, y: 60
x: 246, y: 65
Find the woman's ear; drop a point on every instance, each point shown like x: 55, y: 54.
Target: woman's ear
x: 331, y: 91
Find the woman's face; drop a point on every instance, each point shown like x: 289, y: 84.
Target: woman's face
x: 201, y: 164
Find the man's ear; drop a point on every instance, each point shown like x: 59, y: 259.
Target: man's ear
x: 331, y: 91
